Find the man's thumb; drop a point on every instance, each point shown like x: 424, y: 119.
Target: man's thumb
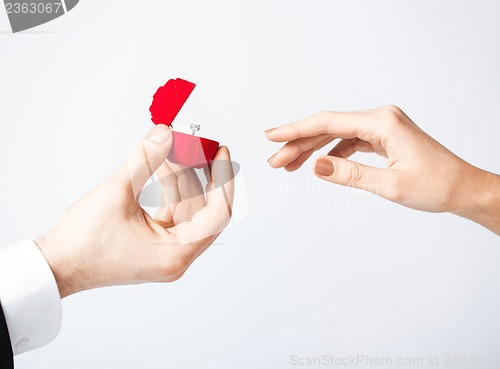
x: 146, y: 158
x: 350, y: 173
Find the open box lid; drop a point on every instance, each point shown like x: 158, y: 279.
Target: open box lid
x: 169, y: 99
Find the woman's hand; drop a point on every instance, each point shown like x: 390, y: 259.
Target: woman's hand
x: 106, y: 238
x: 421, y: 173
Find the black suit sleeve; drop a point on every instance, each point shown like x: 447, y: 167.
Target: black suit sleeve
x: 6, y: 357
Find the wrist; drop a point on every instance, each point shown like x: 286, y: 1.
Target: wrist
x: 60, y: 269
x: 478, y: 198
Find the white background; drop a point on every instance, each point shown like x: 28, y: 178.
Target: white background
x: 358, y: 275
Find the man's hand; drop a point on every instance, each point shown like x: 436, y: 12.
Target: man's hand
x: 106, y: 238
x: 420, y: 174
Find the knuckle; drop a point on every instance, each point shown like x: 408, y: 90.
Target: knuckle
x: 393, y: 108
x: 176, y: 277
x: 322, y: 119
x: 224, y: 219
x: 323, y: 115
x: 174, y: 266
x: 292, y: 149
x: 180, y: 173
x: 354, y: 174
x: 391, y: 119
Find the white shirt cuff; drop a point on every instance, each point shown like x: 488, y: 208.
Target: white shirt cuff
x: 29, y: 297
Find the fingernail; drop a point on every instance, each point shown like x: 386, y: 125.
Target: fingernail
x: 159, y: 134
x: 324, y: 167
x: 269, y: 130
x: 271, y: 158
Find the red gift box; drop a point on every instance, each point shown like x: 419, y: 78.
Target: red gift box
x: 187, y: 150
